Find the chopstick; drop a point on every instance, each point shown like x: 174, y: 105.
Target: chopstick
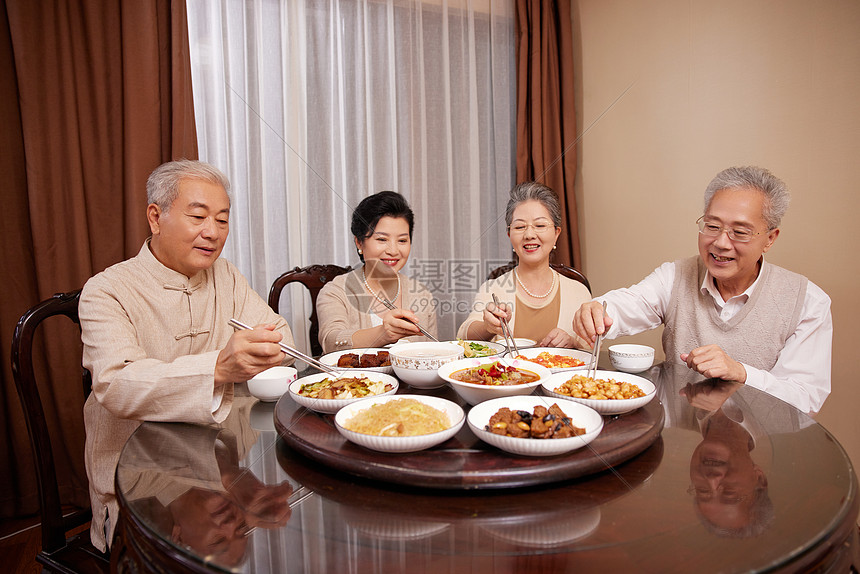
x: 424, y: 332
x: 596, y: 351
x: 292, y: 352
x: 506, y: 330
x: 299, y: 496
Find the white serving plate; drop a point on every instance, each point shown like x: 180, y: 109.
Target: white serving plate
x: 332, y: 358
x: 474, y: 393
x: 583, y: 356
x: 331, y: 406
x: 565, y: 528
x: 401, y: 443
x: 604, y: 406
x: 580, y: 415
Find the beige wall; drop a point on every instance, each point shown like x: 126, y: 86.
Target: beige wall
x: 710, y: 85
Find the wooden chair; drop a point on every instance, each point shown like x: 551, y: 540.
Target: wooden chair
x: 313, y: 277
x: 59, y: 553
x: 562, y: 269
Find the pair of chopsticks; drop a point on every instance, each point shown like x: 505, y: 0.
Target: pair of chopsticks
x: 506, y: 331
x: 292, y: 352
x: 391, y: 306
x: 592, y: 369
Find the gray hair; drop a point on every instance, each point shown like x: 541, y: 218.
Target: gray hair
x: 162, y: 187
x: 774, y: 189
x: 534, y: 191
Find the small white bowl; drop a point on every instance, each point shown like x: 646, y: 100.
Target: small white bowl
x: 455, y: 413
x: 271, y: 384
x: 331, y: 406
x: 631, y: 358
x: 332, y: 358
x: 474, y: 393
x: 580, y: 415
x: 521, y: 342
x: 416, y: 363
x: 583, y: 356
x: 604, y: 406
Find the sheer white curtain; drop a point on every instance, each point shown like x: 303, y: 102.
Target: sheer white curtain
x: 311, y: 105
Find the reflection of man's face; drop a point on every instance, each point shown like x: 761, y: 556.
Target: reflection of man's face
x: 211, y: 524
x: 725, y: 481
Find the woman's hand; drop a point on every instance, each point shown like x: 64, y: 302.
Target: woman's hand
x: 399, y: 323
x: 493, y: 316
x: 558, y: 338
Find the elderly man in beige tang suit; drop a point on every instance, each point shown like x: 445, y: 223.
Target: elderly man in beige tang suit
x: 155, y: 327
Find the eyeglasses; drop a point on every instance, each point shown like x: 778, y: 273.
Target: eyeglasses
x: 711, y: 229
x: 539, y: 228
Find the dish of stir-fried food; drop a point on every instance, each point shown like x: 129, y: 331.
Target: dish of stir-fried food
x: 550, y: 361
x: 494, y: 373
x: 599, y: 389
x: 473, y: 349
x: 542, y: 423
x: 399, y: 417
x: 364, y: 361
x: 344, y: 388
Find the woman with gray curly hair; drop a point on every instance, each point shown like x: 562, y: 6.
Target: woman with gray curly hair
x: 534, y: 298
x: 727, y: 313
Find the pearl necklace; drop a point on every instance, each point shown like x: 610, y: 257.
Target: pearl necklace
x: 544, y: 296
x: 374, y: 293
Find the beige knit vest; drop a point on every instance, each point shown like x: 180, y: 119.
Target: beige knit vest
x: 754, y: 336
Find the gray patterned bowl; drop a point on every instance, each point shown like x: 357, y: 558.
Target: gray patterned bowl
x: 416, y: 363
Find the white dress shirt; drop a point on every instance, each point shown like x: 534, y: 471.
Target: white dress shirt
x: 801, y: 375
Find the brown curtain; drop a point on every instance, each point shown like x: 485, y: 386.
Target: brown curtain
x: 94, y: 95
x: 546, y: 122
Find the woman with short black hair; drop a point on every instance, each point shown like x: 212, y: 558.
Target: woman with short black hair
x: 351, y: 308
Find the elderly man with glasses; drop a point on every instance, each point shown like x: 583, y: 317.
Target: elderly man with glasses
x: 727, y: 313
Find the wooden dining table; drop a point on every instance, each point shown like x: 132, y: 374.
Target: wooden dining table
x: 707, y: 477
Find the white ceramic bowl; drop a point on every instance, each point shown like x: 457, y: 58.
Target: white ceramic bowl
x: 522, y: 342
x: 604, y: 406
x: 416, y: 363
x: 401, y: 443
x: 496, y: 349
x: 332, y: 358
x: 271, y: 384
x: 583, y: 356
x: 631, y: 358
x: 334, y: 405
x: 474, y: 393
x: 580, y: 415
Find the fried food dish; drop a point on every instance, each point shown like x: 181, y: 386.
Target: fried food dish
x: 550, y: 361
x: 472, y: 349
x: 599, y: 389
x: 344, y: 388
x: 367, y: 360
x: 542, y: 423
x: 494, y: 374
x: 400, y: 417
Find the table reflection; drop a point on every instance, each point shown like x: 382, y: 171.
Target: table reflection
x: 738, y: 481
